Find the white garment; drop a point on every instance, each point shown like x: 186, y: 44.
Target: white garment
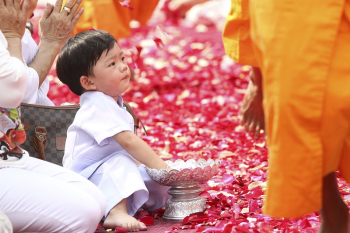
x: 13, y: 77
x: 40, y: 196
x: 5, y: 224
x: 44, y: 197
x: 92, y: 152
x: 14, y: 161
x: 90, y: 137
x: 119, y: 178
x: 33, y: 95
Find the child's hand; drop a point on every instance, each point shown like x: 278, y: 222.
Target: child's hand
x: 168, y: 168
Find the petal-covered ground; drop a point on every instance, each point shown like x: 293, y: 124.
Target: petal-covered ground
x: 188, y: 93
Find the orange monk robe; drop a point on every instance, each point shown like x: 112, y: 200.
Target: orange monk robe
x: 236, y: 35
x: 111, y: 16
x: 303, y: 51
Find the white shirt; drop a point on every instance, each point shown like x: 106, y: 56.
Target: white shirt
x: 90, y: 137
x: 13, y: 77
x: 13, y: 82
x: 33, y: 95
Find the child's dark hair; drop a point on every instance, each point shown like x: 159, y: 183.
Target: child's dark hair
x: 79, y: 56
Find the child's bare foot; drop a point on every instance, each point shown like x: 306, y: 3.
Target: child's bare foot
x: 118, y: 217
x: 125, y: 221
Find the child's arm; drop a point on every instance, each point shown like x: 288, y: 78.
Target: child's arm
x: 139, y: 149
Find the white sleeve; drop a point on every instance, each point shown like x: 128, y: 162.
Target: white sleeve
x: 42, y: 94
x: 29, y: 47
x: 105, y: 118
x: 13, y: 77
x: 33, y: 94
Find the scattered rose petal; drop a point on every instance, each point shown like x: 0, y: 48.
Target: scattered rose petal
x: 161, y: 38
x: 227, y: 179
x: 148, y: 221
x: 120, y: 230
x: 125, y: 3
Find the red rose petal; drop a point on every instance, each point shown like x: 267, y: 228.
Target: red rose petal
x: 227, y: 179
x: 148, y: 221
x: 120, y: 230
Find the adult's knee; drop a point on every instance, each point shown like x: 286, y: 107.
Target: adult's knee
x: 88, y: 216
x: 5, y: 224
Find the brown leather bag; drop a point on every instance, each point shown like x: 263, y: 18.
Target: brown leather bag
x: 46, y: 129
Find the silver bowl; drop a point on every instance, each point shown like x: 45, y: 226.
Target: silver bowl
x: 184, y: 179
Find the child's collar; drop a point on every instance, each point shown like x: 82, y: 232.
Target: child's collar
x: 120, y: 101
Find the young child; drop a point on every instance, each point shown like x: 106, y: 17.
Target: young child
x: 101, y: 144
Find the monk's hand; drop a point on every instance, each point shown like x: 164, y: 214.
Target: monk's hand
x: 13, y: 17
x: 252, y: 113
x: 58, y: 21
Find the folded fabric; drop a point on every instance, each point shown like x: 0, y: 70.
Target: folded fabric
x: 14, y: 161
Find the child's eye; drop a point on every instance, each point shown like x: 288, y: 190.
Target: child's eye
x: 123, y: 58
x: 112, y: 64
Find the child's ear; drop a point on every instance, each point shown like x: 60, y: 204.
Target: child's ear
x: 87, y: 83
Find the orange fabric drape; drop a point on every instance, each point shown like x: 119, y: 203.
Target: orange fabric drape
x: 236, y: 34
x: 111, y: 16
x: 303, y: 51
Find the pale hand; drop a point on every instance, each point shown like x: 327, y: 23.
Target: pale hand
x: 13, y: 17
x: 57, y: 25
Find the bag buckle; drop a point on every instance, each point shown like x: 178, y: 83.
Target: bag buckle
x: 41, y: 133
x: 40, y: 141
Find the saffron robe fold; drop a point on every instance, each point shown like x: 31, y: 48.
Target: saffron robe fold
x: 111, y: 16
x: 303, y: 51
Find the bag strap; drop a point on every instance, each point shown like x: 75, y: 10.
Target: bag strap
x: 136, y: 119
x: 40, y: 141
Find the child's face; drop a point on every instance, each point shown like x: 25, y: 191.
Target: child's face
x: 111, y: 73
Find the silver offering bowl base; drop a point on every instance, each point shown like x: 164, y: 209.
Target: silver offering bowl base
x: 184, y: 179
x: 183, y: 202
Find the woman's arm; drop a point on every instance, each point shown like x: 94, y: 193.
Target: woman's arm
x: 13, y: 76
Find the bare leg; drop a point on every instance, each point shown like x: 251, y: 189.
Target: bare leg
x: 334, y: 211
x: 119, y: 217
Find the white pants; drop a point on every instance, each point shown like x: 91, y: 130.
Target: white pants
x: 5, y: 224
x: 119, y: 177
x: 44, y: 197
